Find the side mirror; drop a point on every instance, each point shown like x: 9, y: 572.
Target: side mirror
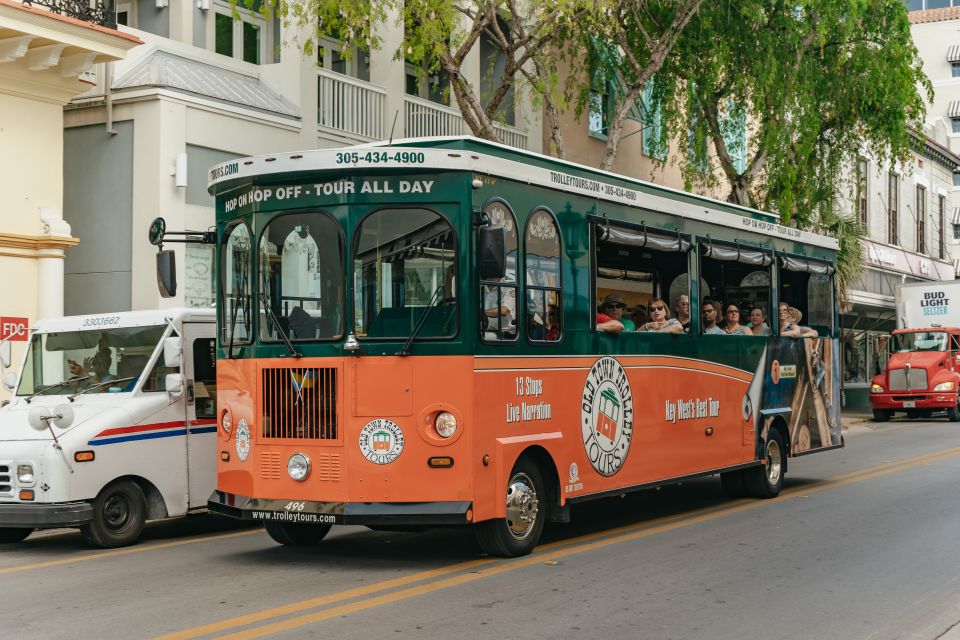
x: 6, y: 353
x: 167, y: 273
x: 171, y: 352
x: 10, y: 381
x: 174, y: 384
x: 492, y: 242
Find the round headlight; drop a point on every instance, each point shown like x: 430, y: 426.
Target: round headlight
x: 445, y: 424
x: 243, y: 440
x: 226, y: 421
x: 876, y: 388
x: 298, y: 467
x: 25, y: 473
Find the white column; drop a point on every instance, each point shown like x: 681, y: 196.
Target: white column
x: 50, y: 265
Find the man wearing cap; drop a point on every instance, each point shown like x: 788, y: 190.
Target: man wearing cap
x: 614, y: 306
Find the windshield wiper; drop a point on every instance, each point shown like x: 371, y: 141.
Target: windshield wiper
x: 434, y: 300
x: 51, y: 386
x: 276, y: 322
x: 101, y: 384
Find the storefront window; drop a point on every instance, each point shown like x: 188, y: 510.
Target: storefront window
x: 855, y: 358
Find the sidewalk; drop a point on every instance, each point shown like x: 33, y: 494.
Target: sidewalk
x: 856, y: 420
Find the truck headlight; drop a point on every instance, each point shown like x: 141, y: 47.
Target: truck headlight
x: 944, y: 386
x: 298, y: 467
x: 445, y: 424
x: 876, y: 388
x: 226, y: 421
x: 25, y: 474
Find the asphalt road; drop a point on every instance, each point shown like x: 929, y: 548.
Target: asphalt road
x: 860, y: 544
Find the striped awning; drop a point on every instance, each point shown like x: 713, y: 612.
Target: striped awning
x: 953, y: 53
x: 953, y: 111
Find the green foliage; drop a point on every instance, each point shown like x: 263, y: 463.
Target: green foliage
x: 821, y: 81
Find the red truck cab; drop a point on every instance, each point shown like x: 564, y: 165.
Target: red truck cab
x: 922, y: 376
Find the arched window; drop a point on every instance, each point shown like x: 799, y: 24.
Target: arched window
x: 544, y: 310
x: 236, y: 262
x: 301, y: 278
x: 498, y: 298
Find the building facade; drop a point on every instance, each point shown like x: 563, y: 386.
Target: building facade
x: 206, y: 88
x: 905, y: 210
x: 46, y: 58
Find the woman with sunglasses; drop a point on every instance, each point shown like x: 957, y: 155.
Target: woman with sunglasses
x: 660, y: 320
x: 732, y: 326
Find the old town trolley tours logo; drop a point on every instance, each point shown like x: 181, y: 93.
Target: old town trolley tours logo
x: 606, y: 412
x: 381, y: 441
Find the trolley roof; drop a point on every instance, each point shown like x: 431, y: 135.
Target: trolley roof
x: 469, y: 154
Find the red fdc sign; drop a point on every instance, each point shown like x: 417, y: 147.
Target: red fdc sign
x: 14, y: 328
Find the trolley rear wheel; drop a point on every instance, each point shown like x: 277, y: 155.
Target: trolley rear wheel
x: 519, y: 532
x: 766, y: 481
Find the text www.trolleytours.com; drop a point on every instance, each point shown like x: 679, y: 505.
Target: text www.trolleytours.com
x: 287, y: 516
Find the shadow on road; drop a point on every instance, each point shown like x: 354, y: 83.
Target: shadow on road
x: 352, y: 548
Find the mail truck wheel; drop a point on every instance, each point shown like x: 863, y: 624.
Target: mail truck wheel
x: 119, y: 513
x: 10, y: 535
x: 296, y: 534
x: 767, y: 480
x: 519, y: 532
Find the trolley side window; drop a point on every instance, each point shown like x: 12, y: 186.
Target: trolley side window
x: 544, y: 308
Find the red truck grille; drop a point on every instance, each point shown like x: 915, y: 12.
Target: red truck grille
x: 908, y: 379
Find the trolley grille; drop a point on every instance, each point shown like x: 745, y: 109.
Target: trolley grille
x: 299, y: 403
x: 908, y: 379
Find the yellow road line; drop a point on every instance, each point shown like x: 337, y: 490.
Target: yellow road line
x: 559, y: 549
x: 125, y: 552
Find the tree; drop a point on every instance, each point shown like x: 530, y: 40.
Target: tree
x: 819, y: 81
x: 635, y: 38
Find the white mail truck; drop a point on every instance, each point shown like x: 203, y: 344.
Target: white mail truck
x: 112, y: 423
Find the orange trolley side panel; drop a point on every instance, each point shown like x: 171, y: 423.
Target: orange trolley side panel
x: 676, y: 417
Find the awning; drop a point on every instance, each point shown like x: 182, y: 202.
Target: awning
x: 744, y: 254
x: 953, y: 111
x: 953, y: 53
x: 633, y: 235
x: 806, y: 265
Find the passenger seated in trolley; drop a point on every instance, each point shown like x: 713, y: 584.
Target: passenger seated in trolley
x: 758, y: 322
x: 615, y: 307
x: 660, y: 320
x: 709, y: 315
x: 793, y: 328
x: 732, y: 326
x: 681, y: 307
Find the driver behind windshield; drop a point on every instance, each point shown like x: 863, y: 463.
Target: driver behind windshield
x: 97, y: 367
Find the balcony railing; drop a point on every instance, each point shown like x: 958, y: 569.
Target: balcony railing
x: 423, y: 118
x: 101, y: 12
x: 349, y: 106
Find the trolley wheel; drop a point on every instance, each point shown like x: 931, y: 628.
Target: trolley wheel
x: 296, y: 534
x: 882, y: 415
x: 119, y: 513
x: 953, y: 413
x: 9, y: 535
x: 519, y: 532
x: 732, y: 483
x: 767, y: 480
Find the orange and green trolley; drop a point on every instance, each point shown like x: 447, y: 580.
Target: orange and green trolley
x: 408, y: 337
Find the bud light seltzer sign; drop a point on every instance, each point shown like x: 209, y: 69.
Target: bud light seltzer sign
x: 934, y: 304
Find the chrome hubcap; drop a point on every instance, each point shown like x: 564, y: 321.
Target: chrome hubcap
x: 522, y: 506
x: 774, y: 463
